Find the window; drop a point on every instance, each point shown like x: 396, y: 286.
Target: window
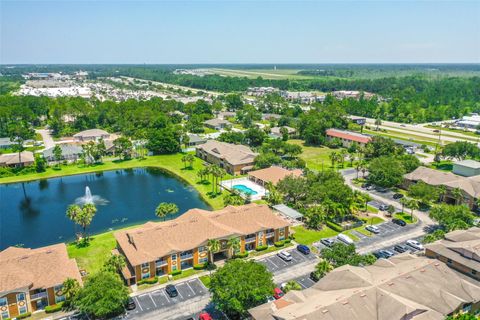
x: 4, y: 308
x: 21, y: 303
x: 145, y: 265
x: 203, y: 260
x: 467, y: 307
x: 174, y: 256
x: 202, y: 249
x: 474, y: 272
x: 146, y: 275
x: 21, y: 297
x: 449, y: 260
x: 59, y: 296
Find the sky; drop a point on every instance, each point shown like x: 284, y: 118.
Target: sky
x: 244, y: 31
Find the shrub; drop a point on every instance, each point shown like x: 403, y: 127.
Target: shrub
x: 200, y: 266
x: 291, y: 236
x: 261, y: 248
x: 23, y: 316
x: 175, y: 273
x: 211, y: 266
x: 336, y: 227
x: 279, y: 244
x: 241, y: 255
x: 54, y: 308
x: 288, y: 240
x: 148, y: 281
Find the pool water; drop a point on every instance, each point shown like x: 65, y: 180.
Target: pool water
x: 244, y: 189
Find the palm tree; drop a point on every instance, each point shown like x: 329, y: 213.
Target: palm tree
x: 457, y: 194
x: 404, y: 201
x: 70, y: 289
x: 413, y: 205
x: 115, y: 263
x: 442, y: 192
x: 292, y: 285
x: 366, y: 198
x: 234, y: 245
x: 333, y: 158
x: 322, y: 268
x: 190, y: 159
x: 342, y: 155
x: 213, y: 247
x: 378, y: 123
x: 166, y: 208
x: 184, y: 160
x: 88, y: 212
x: 73, y: 211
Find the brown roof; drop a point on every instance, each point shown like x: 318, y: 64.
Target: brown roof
x: 232, y: 153
x: 36, y: 268
x: 194, y: 228
x: 403, y: 287
x: 91, y: 133
x: 12, y: 158
x: 348, y: 135
x: 274, y: 174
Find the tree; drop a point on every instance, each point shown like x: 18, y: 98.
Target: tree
x: 70, y: 289
x: 188, y: 158
x: 284, y: 133
x: 57, y: 153
x: 423, y: 192
x: 163, y: 141
x: 322, y: 268
x: 381, y: 146
x: 333, y: 158
x: 73, y: 211
x: 385, y: 172
x: 232, y: 199
x: 255, y: 136
x: 457, y: 194
x: 100, y: 149
x: 434, y: 236
x: 233, y: 102
x: 115, y: 263
x: 213, y: 246
x: 103, y: 296
x: 412, y: 204
x: 123, y: 148
x: 452, y: 217
x: 462, y: 316
x: 378, y: 123
x: 40, y: 164
x: 82, y: 216
x: 165, y: 209
x: 461, y: 150
x: 239, y: 286
x: 341, y: 254
x: 18, y: 133
x: 315, y: 216
x: 292, y: 285
x: 293, y: 188
x: 234, y: 245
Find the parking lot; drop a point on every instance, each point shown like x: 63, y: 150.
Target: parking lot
x: 304, y: 281
x: 276, y: 264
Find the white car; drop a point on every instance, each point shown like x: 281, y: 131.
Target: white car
x: 373, y: 229
x: 285, y: 255
x: 344, y: 238
x: 415, y: 244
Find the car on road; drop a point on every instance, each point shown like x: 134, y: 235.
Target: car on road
x: 171, y: 290
x: 400, y: 248
x: 397, y: 196
x: 130, y: 304
x: 370, y: 188
x: 303, y: 249
x: 436, y: 131
x: 399, y: 222
x: 284, y: 255
x: 402, y: 125
x: 327, y: 242
x: 373, y: 229
x: 381, y: 189
x: 314, y: 276
x: 414, y: 244
x: 270, y: 299
x: 205, y: 316
x: 344, y: 238
x: 383, y: 207
x: 278, y: 293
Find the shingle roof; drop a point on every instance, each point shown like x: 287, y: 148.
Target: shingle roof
x: 194, y: 228
x: 274, y: 174
x: 216, y: 122
x: 232, y: 153
x: 13, y: 159
x: 348, y: 135
x: 67, y: 150
x: 276, y: 130
x: 91, y: 133
x: 403, y: 287
x: 36, y: 268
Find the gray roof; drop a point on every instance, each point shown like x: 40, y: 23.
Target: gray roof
x: 216, y: 122
x: 468, y: 163
x: 193, y: 138
x: 289, y: 212
x: 67, y: 149
x: 92, y: 133
x: 6, y: 142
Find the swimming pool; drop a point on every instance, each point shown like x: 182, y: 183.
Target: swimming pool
x: 244, y: 189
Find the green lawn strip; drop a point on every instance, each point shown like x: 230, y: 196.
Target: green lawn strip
x: 317, y: 158
x: 171, y: 163
x: 463, y: 132
x: 205, y: 280
x: 352, y: 236
x: 307, y: 236
x: 209, y: 130
x: 405, y: 217
x: 268, y: 250
x: 444, y: 165
x: 411, y: 138
x: 187, y: 273
x: 372, y: 209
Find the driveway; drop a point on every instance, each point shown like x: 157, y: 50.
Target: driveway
x: 47, y: 138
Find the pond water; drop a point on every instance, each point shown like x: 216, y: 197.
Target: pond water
x: 32, y: 214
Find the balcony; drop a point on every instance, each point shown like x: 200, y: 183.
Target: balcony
x: 270, y: 234
x: 186, y: 256
x: 38, y: 295
x: 160, y: 263
x: 250, y: 239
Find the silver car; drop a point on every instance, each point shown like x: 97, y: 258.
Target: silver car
x: 284, y: 255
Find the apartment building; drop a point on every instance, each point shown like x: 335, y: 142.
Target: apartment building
x: 31, y: 279
x: 235, y: 159
x: 159, y: 248
x: 348, y: 137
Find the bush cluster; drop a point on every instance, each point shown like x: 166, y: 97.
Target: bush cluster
x: 148, y: 281
x: 261, y: 248
x: 54, y: 308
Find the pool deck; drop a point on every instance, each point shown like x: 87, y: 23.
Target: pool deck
x: 229, y: 184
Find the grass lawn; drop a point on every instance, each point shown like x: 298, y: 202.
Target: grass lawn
x: 209, y: 130
x: 397, y: 135
x: 405, y: 217
x: 352, y: 236
x: 317, y: 158
x: 205, y: 280
x: 307, y: 236
x: 268, y: 250
x: 444, y: 165
x: 187, y: 273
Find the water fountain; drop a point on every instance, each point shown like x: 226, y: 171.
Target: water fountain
x: 88, y: 198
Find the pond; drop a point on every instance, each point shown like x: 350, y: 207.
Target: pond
x: 32, y: 214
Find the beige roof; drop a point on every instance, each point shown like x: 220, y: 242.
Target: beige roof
x: 232, y: 153
x: 274, y: 174
x: 194, y: 228
x: 276, y: 130
x: 91, y: 133
x: 216, y: 122
x: 36, y: 268
x: 13, y: 159
x: 470, y: 185
x: 403, y: 287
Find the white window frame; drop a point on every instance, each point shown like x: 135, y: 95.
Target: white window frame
x: 58, y: 298
x: 21, y: 309
x: 4, y: 303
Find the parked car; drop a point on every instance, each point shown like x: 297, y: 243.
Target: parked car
x: 399, y: 222
x: 314, y: 276
x: 344, y: 238
x: 131, y: 304
x: 402, y: 125
x: 436, y: 131
x: 270, y: 299
x: 327, y: 242
x: 415, y: 244
x: 397, y: 196
x: 370, y: 188
x: 366, y: 185
x: 278, y: 293
x: 205, y: 316
x: 171, y: 290
x: 400, y: 248
x: 373, y: 229
x: 382, y: 189
x: 303, y: 249
x: 385, y: 254
x: 285, y: 255
x: 383, y: 207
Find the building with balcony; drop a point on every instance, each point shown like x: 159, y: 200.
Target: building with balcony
x: 31, y: 279
x: 348, y: 137
x: 159, y: 248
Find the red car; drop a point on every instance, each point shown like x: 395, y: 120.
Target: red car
x: 204, y: 316
x: 278, y: 293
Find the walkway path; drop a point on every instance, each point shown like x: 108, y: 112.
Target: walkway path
x: 47, y: 138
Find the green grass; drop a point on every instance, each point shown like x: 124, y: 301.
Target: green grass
x: 161, y: 280
x: 268, y: 250
x: 371, y: 209
x: 444, y: 165
x: 405, y: 217
x: 373, y: 220
x: 317, y: 158
x: 209, y: 130
x: 307, y: 236
x: 396, y: 135
x: 187, y: 273
x: 464, y: 132
x: 205, y: 280
x: 352, y: 236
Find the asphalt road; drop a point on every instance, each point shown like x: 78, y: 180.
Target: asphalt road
x: 276, y: 264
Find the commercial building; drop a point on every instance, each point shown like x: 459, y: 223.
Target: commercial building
x: 402, y: 287
x: 272, y: 174
x: 159, y: 248
x: 16, y: 160
x: 31, y: 279
x: 460, y: 250
x: 467, y: 168
x: 235, y: 159
x: 91, y: 135
x: 347, y: 137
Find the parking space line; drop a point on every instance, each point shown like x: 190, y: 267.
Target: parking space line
x: 188, y: 284
x: 273, y: 264
x: 152, y: 300
x: 166, y: 295
x: 179, y: 291
x: 301, y: 284
x: 138, y: 303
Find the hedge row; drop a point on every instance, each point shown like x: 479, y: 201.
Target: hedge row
x: 334, y: 226
x: 241, y: 255
x: 148, y: 281
x: 54, y: 308
x: 261, y: 248
x: 279, y: 244
x: 175, y: 273
x: 23, y: 316
x: 200, y: 266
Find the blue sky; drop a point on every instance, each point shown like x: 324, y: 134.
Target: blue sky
x: 262, y: 31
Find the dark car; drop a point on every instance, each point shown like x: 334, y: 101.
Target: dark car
x: 314, y: 276
x: 327, y: 242
x: 171, y: 290
x: 383, y: 207
x: 397, y: 196
x: 401, y: 248
x: 381, y: 189
x: 399, y: 222
x: 366, y: 185
x: 131, y: 304
x: 379, y: 255
x: 303, y: 249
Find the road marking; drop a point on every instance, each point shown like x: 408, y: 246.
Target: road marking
x: 166, y: 296
x: 153, y: 301
x: 138, y: 302
x: 179, y: 291
x: 301, y: 284
x: 188, y: 284
x: 273, y: 264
